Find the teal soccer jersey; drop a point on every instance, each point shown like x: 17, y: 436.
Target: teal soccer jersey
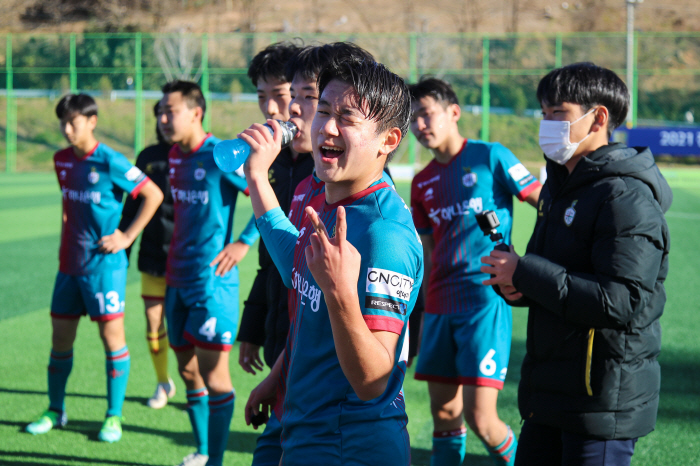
x: 93, y: 189
x: 322, y: 417
x: 204, y: 200
x: 445, y: 199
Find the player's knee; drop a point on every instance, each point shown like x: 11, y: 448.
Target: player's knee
x: 480, y: 422
x: 217, y: 383
x: 445, y: 412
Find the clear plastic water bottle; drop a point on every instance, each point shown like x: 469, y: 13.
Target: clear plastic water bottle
x: 230, y: 154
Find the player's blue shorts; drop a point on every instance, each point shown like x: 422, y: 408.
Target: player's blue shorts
x: 268, y: 450
x: 204, y: 316
x: 100, y: 295
x: 383, y: 441
x: 467, y: 349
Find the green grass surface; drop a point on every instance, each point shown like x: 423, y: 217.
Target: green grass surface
x: 29, y: 228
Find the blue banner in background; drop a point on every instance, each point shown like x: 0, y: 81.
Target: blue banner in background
x: 676, y: 141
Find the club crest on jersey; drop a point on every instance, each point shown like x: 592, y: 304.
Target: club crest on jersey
x: 389, y: 283
x: 469, y: 178
x: 429, y: 193
x: 93, y: 176
x: 200, y: 172
x: 172, y: 172
x: 570, y: 214
x: 62, y: 175
x: 149, y: 168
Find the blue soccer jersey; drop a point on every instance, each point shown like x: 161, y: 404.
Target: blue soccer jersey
x: 444, y: 201
x: 93, y: 189
x: 204, y: 200
x: 322, y: 417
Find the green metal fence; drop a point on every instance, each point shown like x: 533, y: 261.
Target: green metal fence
x: 492, y: 74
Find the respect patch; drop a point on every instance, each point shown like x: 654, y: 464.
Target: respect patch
x: 384, y: 304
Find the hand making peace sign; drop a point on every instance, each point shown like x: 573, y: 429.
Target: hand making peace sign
x: 334, y: 262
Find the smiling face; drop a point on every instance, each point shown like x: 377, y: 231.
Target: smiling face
x: 177, y: 121
x: 274, y: 98
x: 302, y: 110
x: 347, y: 149
x: 431, y: 123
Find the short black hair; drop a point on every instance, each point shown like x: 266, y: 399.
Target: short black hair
x: 587, y: 85
x: 190, y: 91
x: 381, y: 94
x: 436, y: 88
x: 270, y: 62
x: 310, y: 60
x: 76, y: 104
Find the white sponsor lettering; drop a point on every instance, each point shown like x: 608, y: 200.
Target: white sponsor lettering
x: 306, y: 290
x: 518, y: 172
x: 191, y: 196
x: 430, y: 181
x: 133, y: 173
x: 64, y: 164
x: 301, y: 233
x: 174, y: 161
x: 86, y: 197
x: 298, y: 198
x: 457, y: 210
x: 389, y: 283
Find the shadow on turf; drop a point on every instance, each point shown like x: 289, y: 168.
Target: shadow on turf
x: 22, y: 459
x: 134, y: 399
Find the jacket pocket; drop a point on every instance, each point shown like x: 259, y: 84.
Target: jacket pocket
x: 589, y: 361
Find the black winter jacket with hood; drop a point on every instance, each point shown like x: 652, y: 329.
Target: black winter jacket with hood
x: 593, y: 278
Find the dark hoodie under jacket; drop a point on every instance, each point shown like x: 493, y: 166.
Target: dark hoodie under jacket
x: 593, y: 278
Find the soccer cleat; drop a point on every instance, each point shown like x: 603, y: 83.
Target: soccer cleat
x: 161, y: 395
x: 46, y: 422
x: 111, y: 430
x: 194, y: 459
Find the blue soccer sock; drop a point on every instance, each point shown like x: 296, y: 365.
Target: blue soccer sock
x: 449, y: 447
x: 220, y: 414
x: 60, y: 365
x: 198, y: 410
x: 504, y: 454
x: 118, y: 365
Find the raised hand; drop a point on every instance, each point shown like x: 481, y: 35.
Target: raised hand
x: 333, y: 262
x: 264, y: 147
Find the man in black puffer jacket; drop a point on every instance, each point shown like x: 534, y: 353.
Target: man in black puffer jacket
x: 593, y: 278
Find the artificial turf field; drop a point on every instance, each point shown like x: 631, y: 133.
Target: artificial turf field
x: 30, y: 209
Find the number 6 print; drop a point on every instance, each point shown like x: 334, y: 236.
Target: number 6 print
x: 487, y: 366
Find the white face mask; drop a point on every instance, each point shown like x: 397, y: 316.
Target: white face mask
x: 555, y: 142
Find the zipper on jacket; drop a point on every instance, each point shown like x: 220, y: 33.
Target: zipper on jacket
x: 589, y: 357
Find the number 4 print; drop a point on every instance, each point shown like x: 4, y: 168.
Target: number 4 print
x: 487, y: 366
x: 208, y: 329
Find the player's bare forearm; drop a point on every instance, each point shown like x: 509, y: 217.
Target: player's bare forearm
x: 366, y: 357
x: 152, y: 198
x: 534, y: 196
